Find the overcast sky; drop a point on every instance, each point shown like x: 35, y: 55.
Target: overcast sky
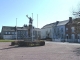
x: 48, y: 11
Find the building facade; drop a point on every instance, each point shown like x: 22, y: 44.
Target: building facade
x: 46, y: 31
x: 59, y: 31
x: 37, y: 33
x: 9, y: 32
x: 73, y: 30
x: 19, y: 33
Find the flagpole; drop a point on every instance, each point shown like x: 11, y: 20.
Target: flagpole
x: 16, y: 28
x: 37, y: 26
x: 32, y: 27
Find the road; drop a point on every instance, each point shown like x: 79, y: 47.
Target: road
x: 51, y: 51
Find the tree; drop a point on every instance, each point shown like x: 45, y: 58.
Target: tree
x: 25, y: 25
x: 76, y: 13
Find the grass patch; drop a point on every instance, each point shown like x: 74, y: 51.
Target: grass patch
x: 6, y: 40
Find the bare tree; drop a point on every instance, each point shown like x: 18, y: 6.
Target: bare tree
x: 76, y: 13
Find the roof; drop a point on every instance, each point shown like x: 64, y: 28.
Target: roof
x: 53, y: 24
x: 11, y: 28
x: 21, y: 28
x: 36, y: 29
x: 8, y: 28
x: 48, y: 26
x: 62, y: 22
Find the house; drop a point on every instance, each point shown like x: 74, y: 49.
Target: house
x: 62, y: 31
x: 13, y: 32
x: 55, y: 31
x: 46, y: 31
x: 73, y: 30
x: 59, y: 31
x: 9, y: 32
x: 67, y: 31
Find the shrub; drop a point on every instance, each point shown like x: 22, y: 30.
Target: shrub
x: 24, y: 43
x: 21, y: 43
x: 42, y: 43
x: 12, y: 43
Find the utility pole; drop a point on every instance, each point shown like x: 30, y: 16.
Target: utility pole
x: 16, y: 28
x: 37, y: 26
x: 32, y: 27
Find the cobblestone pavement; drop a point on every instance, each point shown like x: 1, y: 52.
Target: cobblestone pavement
x: 51, y: 51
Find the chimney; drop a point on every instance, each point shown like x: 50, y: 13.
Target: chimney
x: 70, y: 19
x: 57, y: 22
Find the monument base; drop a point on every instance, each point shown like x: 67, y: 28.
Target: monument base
x: 28, y: 43
x: 29, y: 39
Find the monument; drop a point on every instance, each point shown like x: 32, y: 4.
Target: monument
x: 30, y: 30
x: 29, y: 41
x: 30, y: 26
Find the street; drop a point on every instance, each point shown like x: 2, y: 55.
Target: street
x: 51, y: 51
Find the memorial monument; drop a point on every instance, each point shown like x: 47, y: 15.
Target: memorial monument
x: 29, y: 41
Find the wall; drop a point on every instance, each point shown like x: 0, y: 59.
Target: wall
x: 46, y: 31
x: 59, y: 33
x: 7, y: 37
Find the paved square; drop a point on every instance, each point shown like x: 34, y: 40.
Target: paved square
x: 51, y: 51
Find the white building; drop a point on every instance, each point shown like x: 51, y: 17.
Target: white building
x: 9, y: 32
x: 46, y: 31
x: 55, y: 31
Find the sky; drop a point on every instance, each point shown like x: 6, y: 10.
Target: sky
x: 48, y: 11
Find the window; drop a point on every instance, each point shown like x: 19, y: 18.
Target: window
x: 26, y: 32
x: 61, y: 29
x: 12, y: 32
x: 66, y: 28
x: 72, y: 29
x: 67, y: 37
x: 78, y: 36
x: 62, y: 36
x: 73, y: 36
x: 8, y: 32
x: 5, y: 32
x: 21, y: 32
x: 18, y: 32
x: 15, y: 32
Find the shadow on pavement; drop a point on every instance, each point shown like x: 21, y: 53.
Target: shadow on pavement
x: 77, y: 51
x: 9, y: 47
x: 19, y: 47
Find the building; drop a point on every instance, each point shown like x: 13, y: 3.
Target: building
x: 54, y: 31
x: 59, y: 31
x: 9, y: 32
x: 62, y: 31
x: 37, y: 33
x: 73, y: 30
x: 0, y: 36
x: 46, y: 31
x: 22, y: 32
